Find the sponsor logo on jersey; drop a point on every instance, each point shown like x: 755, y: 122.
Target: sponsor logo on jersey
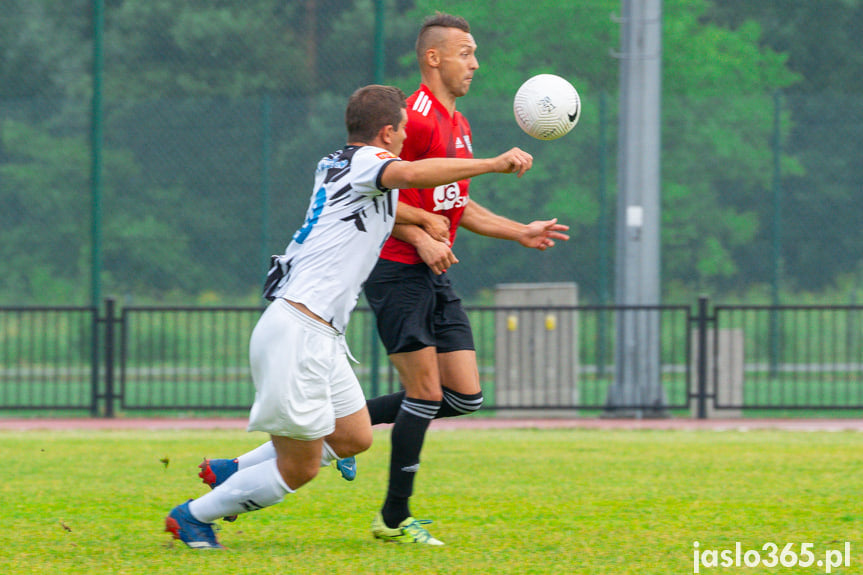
x: 447, y: 197
x: 330, y: 163
x: 467, y: 141
x: 385, y: 155
x: 458, y: 143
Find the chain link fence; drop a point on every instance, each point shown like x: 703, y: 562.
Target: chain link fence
x: 214, y: 113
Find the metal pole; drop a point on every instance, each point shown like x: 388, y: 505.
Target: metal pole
x: 266, y: 145
x: 701, y: 368
x: 777, y: 231
x: 637, y: 361
x: 603, y: 233
x: 777, y: 195
x: 379, y: 51
x: 94, y: 362
x: 96, y: 140
x: 109, y: 357
x: 375, y: 367
x: 603, y: 201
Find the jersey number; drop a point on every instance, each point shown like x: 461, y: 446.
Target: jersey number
x: 312, y: 216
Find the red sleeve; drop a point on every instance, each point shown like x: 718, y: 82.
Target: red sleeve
x: 420, y: 135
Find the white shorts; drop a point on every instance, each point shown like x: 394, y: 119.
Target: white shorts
x: 303, y: 381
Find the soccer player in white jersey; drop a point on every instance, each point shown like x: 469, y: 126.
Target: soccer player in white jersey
x: 306, y: 395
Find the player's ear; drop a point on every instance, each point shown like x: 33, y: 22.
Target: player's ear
x: 432, y: 58
x: 386, y: 134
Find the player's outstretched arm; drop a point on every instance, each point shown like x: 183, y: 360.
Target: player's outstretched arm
x: 539, y: 234
x: 432, y: 172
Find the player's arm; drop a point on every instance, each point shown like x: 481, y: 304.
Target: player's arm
x: 435, y: 225
x: 431, y: 172
x: 436, y: 254
x: 539, y: 234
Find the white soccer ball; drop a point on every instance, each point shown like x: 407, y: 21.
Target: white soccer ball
x: 546, y: 107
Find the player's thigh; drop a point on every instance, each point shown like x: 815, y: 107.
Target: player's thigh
x: 418, y: 372
x: 452, y: 330
x: 353, y: 427
x: 459, y: 372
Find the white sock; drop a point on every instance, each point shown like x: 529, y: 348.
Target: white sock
x: 250, y: 489
x: 327, y: 455
x: 257, y: 455
x: 268, y: 451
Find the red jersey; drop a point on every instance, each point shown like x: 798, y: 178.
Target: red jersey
x: 432, y: 133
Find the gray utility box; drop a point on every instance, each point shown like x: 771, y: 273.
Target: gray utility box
x: 724, y: 373
x: 536, y: 345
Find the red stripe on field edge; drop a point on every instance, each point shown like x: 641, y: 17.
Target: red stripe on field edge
x: 21, y: 424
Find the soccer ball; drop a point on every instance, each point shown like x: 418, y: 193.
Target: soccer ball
x: 546, y: 107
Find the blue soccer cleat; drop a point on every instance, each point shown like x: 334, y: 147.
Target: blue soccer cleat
x: 347, y: 467
x: 183, y: 526
x: 214, y: 472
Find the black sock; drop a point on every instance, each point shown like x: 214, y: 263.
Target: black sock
x: 385, y: 409
x: 407, y: 437
x: 455, y: 403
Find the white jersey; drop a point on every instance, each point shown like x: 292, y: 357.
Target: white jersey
x: 350, y: 216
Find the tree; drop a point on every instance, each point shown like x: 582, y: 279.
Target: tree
x: 715, y: 153
x: 820, y: 201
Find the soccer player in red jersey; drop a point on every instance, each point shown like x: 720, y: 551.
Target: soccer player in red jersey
x: 420, y: 318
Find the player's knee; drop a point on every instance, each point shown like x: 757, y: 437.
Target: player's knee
x: 462, y: 403
x: 427, y: 391
x: 360, y: 442
x: 298, y: 473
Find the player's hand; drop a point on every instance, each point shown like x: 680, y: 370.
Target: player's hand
x: 542, y: 233
x: 437, y: 226
x: 436, y: 255
x: 515, y: 161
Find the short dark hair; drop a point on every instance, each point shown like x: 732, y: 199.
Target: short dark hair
x: 439, y: 20
x: 371, y: 108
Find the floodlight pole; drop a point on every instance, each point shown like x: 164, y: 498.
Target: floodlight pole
x: 637, y: 389
x: 96, y: 155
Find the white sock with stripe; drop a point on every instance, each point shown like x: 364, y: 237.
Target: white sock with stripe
x: 268, y: 451
x: 250, y: 489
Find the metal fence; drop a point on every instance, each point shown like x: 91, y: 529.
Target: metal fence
x: 711, y: 360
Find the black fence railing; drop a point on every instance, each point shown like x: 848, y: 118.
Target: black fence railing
x: 621, y: 360
x: 49, y: 358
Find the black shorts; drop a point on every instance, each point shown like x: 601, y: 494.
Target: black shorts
x: 415, y: 309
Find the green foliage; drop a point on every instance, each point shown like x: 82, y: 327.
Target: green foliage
x: 44, y: 179
x: 183, y: 49
x: 202, y: 184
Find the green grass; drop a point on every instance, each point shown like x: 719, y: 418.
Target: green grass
x: 504, y: 501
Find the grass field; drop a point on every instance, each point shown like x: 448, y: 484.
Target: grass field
x: 504, y: 501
